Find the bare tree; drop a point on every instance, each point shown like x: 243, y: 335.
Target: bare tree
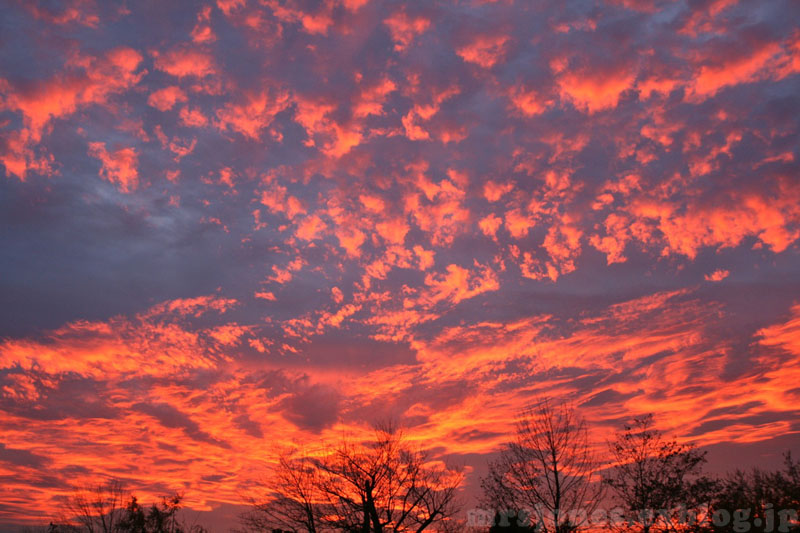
x: 658, y: 482
x: 294, y: 500
x: 545, y: 475
x: 104, y: 509
x: 97, y: 509
x: 382, y: 486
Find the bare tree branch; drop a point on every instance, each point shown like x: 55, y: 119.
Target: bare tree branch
x: 546, y: 471
x: 381, y: 486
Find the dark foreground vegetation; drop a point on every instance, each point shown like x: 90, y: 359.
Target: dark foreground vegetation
x: 546, y: 479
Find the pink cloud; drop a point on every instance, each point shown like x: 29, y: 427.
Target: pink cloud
x: 118, y: 166
x: 164, y: 99
x: 185, y: 62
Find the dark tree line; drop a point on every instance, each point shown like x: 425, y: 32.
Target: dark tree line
x: 547, y: 479
x: 767, y: 500
x: 544, y: 472
x: 108, y: 508
x: 382, y: 486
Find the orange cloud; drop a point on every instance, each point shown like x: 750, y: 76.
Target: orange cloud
x: 185, y: 62
x: 424, y: 110
x: 518, y: 223
x: 336, y: 294
x: 392, y: 230
x: 594, y: 91
x: 316, y: 23
x: 490, y: 224
x: 529, y: 103
x: 563, y: 243
x: 458, y: 284
x: 618, y: 235
x: 351, y: 240
x: 771, y: 219
x: 426, y: 257
x: 196, y: 306
x: 372, y: 203
x: 768, y: 60
x: 75, y: 11
x: 717, y: 275
x: 94, y: 81
x: 310, y: 228
x: 485, y: 50
x: 493, y: 191
x: 252, y: 115
x: 335, y: 139
x: 371, y: 99
x: 275, y: 198
x: 439, y: 210
x: 705, y: 20
x: 404, y: 29
x: 192, y: 117
x: 164, y: 99
x: 344, y: 139
x: 229, y: 6
x: 118, y: 167
x: 646, y: 6
x: 265, y: 295
x: 148, y: 344
x: 202, y: 32
x: 785, y: 335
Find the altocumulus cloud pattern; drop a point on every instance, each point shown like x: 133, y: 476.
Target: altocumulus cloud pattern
x: 230, y: 226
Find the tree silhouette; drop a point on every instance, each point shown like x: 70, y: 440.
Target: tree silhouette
x: 658, y: 482
x: 382, y: 486
x: 544, y: 476
x: 96, y: 509
x: 102, y: 509
x: 758, y: 500
x: 157, y: 519
x: 295, y: 498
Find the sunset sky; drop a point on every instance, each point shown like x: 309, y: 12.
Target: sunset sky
x: 228, y: 228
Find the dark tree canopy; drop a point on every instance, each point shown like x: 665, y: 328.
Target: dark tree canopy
x: 759, y: 500
x: 544, y: 480
x: 381, y: 486
x: 545, y: 475
x: 658, y: 482
x: 108, y: 508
